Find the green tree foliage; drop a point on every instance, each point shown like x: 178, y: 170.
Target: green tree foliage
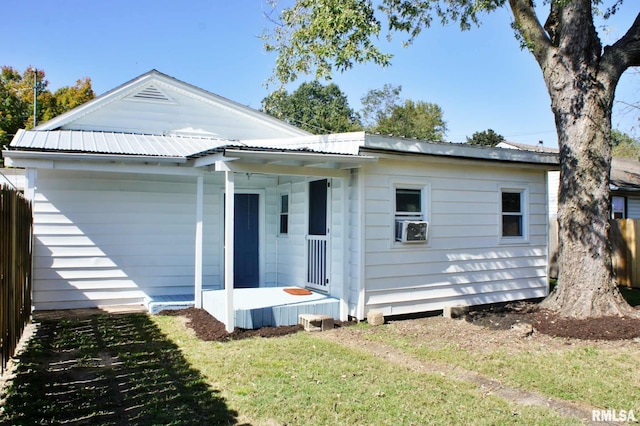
x: 378, y: 104
x: 422, y: 120
x: 313, y: 107
x: 486, y: 137
x: 68, y: 97
x: 383, y: 112
x: 624, y: 146
x: 16, y: 100
x: 581, y: 75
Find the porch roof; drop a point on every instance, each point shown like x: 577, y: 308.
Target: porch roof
x: 114, y: 143
x: 305, y: 155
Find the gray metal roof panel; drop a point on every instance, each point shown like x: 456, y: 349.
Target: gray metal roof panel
x: 114, y: 143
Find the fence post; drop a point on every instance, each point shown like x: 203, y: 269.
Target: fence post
x: 15, y: 269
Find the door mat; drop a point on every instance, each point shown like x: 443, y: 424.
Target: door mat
x: 298, y: 291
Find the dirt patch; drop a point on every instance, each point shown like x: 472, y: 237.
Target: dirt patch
x: 208, y: 328
x: 605, y: 328
x: 511, y: 315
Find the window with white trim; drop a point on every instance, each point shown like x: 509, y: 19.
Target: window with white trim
x: 283, y: 228
x: 410, y: 206
x: 513, y: 212
x: 618, y: 207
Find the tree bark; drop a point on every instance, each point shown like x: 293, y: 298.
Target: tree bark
x: 587, y: 286
x: 581, y: 80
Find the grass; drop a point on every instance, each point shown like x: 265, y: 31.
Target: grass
x: 126, y: 370
x: 108, y: 370
x: 601, y: 376
x: 304, y: 380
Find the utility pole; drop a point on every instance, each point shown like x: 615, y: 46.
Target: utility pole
x: 35, y: 96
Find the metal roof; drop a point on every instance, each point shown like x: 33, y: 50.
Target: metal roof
x: 182, y: 148
x: 114, y: 143
x: 459, y: 150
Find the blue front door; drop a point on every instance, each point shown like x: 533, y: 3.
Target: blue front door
x: 245, y: 245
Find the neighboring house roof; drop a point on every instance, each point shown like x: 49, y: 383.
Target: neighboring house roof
x: 537, y: 148
x: 625, y: 174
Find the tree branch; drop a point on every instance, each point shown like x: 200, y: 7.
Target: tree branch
x: 624, y: 53
x: 528, y: 26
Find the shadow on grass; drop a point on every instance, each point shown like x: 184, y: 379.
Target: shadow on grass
x: 109, y: 370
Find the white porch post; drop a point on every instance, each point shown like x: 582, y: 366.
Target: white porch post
x: 229, y: 219
x: 198, y: 259
x: 30, y: 184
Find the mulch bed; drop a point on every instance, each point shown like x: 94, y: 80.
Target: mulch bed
x: 208, y: 328
x: 505, y: 316
x: 498, y: 317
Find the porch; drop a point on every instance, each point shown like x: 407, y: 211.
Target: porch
x: 255, y: 307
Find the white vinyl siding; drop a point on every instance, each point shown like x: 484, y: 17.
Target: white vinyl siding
x: 291, y: 250
x: 183, y: 113
x: 553, y: 188
x: 337, y: 235
x: 633, y: 207
x: 112, y: 238
x: 355, y: 242
x: 465, y: 262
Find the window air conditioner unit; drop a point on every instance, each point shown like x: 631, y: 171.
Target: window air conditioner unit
x: 410, y: 231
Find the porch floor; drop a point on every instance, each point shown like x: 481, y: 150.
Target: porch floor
x: 253, y: 307
x: 269, y: 306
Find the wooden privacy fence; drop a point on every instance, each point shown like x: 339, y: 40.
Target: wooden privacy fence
x: 625, y: 242
x: 15, y: 269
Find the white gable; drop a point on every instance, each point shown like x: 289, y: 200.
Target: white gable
x: 155, y: 103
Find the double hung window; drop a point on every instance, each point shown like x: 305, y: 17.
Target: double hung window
x: 513, y: 223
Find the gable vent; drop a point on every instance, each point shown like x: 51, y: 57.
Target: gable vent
x: 151, y: 93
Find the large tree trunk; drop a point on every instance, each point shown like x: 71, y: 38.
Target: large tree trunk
x: 581, y: 80
x: 586, y: 283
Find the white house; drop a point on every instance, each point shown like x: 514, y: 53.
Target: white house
x: 129, y: 204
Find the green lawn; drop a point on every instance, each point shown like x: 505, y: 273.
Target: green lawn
x: 302, y: 379
x: 136, y: 369
x: 598, y: 374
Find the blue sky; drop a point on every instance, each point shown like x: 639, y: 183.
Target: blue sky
x: 481, y: 78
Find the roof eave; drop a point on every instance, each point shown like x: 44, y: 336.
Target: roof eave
x: 278, y: 155
x: 462, y: 151
x: 16, y: 154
